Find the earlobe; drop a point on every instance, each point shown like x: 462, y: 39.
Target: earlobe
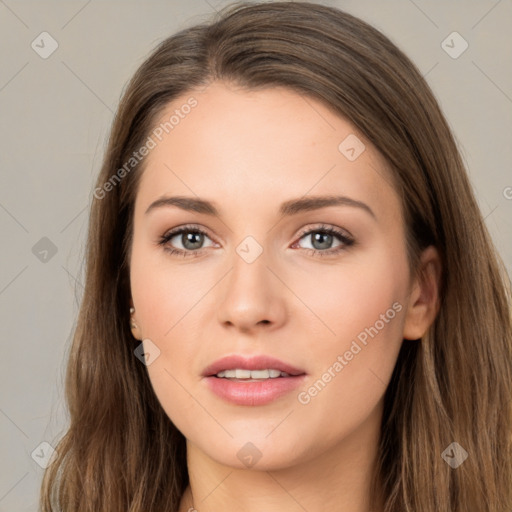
x: 423, y: 304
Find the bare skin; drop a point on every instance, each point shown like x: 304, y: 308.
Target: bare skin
x: 248, y: 152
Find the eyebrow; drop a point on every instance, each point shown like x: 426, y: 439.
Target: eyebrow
x: 288, y: 208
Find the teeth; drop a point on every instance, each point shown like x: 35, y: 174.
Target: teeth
x: 252, y: 374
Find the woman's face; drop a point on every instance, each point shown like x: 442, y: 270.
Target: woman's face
x: 266, y: 279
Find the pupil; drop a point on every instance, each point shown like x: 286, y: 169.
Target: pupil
x: 317, y: 237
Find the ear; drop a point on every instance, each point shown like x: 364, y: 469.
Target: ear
x: 424, y: 300
x: 134, y: 326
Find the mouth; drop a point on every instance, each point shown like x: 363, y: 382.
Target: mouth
x: 252, y: 381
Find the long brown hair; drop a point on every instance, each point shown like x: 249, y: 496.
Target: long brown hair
x: 121, y: 451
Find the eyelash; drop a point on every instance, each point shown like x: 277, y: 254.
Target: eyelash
x: 329, y: 230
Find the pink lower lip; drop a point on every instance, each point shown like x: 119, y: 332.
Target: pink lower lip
x: 253, y: 393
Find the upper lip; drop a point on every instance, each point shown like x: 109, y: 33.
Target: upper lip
x: 260, y: 362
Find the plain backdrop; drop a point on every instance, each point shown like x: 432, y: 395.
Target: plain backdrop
x: 55, y: 116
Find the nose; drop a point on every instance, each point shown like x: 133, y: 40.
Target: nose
x: 251, y: 297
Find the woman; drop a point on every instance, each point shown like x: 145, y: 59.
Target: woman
x: 292, y: 301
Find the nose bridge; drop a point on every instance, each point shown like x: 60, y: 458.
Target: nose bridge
x: 249, y: 263
x: 251, y: 293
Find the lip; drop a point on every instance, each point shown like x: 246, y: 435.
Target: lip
x: 252, y: 393
x: 250, y: 363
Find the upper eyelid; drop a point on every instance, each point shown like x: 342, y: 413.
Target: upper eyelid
x: 187, y: 227
x: 324, y: 227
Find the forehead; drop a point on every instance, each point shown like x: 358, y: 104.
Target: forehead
x: 253, y: 148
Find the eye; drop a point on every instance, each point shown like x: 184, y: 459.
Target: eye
x: 322, y: 238
x: 190, y: 237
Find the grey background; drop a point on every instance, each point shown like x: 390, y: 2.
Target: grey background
x: 55, y: 116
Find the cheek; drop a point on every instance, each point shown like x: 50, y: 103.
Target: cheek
x: 169, y: 300
x: 343, y: 301
x: 363, y: 305
x: 170, y: 372
x: 163, y: 291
